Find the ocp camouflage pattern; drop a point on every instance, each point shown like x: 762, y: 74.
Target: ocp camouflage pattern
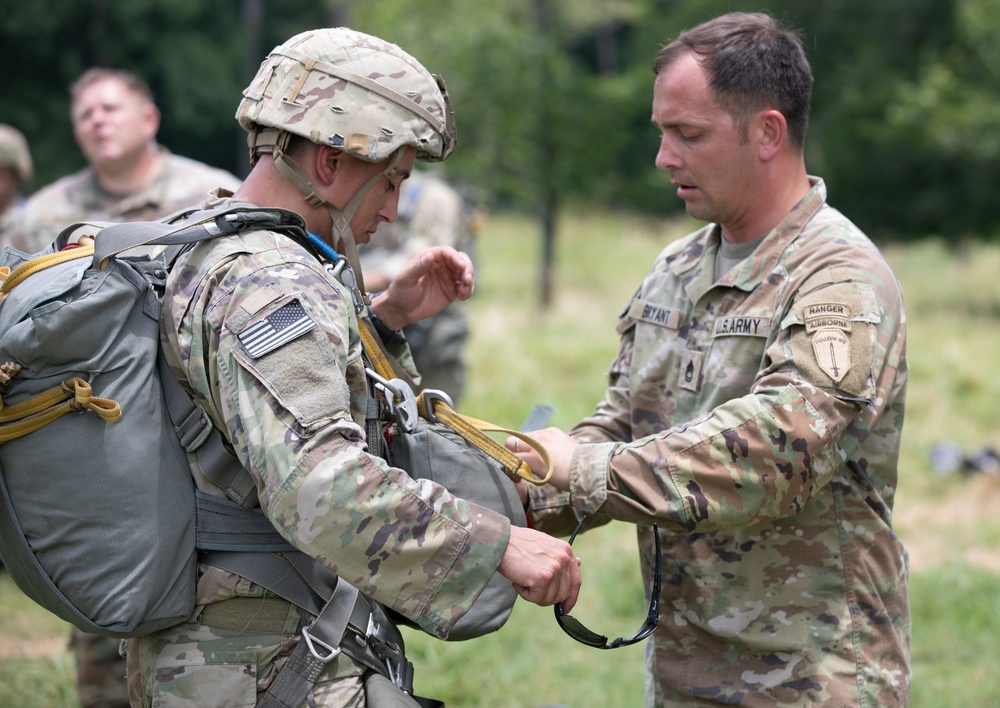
x: 762, y: 436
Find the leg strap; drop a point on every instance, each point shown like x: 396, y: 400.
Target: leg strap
x: 347, y: 622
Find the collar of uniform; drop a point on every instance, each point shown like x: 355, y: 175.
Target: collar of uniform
x: 756, y: 267
x: 150, y: 196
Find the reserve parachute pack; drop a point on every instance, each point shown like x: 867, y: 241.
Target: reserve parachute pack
x: 423, y: 434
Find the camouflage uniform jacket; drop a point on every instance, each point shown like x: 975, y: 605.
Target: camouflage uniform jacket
x: 180, y: 183
x: 295, y: 416
x: 757, y: 421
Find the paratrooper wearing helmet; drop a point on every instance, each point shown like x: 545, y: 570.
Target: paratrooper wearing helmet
x: 336, y: 118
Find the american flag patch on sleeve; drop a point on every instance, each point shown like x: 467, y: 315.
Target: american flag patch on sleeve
x: 280, y: 327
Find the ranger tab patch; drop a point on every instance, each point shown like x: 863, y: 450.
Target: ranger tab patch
x: 827, y: 316
x: 283, y: 325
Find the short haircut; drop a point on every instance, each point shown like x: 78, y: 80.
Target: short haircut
x: 132, y: 82
x: 753, y: 64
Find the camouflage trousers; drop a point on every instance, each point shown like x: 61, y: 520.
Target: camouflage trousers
x: 195, y: 665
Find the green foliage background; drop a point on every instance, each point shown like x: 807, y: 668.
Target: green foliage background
x: 552, y: 96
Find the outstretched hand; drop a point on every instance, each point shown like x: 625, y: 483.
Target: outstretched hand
x: 432, y: 280
x: 542, y: 568
x: 559, y: 446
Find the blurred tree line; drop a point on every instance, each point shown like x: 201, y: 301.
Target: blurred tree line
x: 553, y: 96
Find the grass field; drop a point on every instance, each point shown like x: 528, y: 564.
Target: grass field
x: 521, y: 354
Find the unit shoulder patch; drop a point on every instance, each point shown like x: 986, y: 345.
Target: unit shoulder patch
x: 832, y: 350
x: 831, y: 340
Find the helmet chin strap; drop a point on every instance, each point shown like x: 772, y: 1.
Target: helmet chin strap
x: 342, y: 238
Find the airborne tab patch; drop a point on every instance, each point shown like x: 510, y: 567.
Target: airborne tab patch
x: 280, y: 327
x: 828, y: 322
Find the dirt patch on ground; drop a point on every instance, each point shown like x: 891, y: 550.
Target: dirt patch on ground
x: 961, y: 524
x: 27, y: 647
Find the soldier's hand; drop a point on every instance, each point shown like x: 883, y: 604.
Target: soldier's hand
x: 432, y: 280
x: 542, y: 568
x: 559, y: 446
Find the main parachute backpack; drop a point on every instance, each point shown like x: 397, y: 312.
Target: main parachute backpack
x: 97, y: 505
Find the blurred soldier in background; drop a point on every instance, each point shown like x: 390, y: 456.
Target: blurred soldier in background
x: 15, y: 170
x: 431, y: 213
x: 129, y: 177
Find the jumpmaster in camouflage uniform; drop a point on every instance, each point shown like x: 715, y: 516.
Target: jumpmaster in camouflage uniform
x: 179, y: 183
x: 757, y: 421
x: 295, y: 416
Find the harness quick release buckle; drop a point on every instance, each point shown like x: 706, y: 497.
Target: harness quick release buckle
x: 342, y: 271
x: 399, y: 400
x: 390, y: 654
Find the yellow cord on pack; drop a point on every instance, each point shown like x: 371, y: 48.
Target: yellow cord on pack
x: 29, y: 268
x: 471, y: 429
x: 39, y: 410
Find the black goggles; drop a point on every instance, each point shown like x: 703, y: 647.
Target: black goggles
x: 577, y: 631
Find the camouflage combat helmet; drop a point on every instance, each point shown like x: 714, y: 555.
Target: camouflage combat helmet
x: 351, y: 91
x: 14, y: 152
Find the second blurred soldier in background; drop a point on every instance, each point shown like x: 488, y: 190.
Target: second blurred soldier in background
x: 15, y: 170
x: 129, y: 176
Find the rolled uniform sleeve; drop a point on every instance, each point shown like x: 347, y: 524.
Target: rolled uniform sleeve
x: 294, y: 407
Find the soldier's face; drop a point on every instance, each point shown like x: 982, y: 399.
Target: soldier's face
x: 713, y: 168
x: 112, y: 124
x: 382, y: 200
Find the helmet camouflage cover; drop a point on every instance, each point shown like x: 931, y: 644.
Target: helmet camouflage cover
x: 14, y: 152
x: 352, y: 91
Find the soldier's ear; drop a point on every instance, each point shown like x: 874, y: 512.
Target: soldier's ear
x: 151, y: 120
x: 771, y: 133
x: 328, y: 163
